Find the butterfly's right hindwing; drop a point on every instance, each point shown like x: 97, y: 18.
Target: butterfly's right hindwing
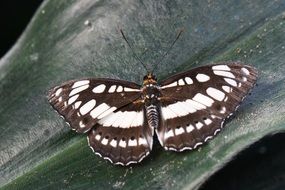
x: 83, y: 102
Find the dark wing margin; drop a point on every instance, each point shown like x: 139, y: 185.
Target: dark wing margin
x: 123, y: 137
x: 194, y: 104
x: 83, y: 102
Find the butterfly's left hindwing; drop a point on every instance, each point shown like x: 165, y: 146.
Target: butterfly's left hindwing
x: 194, y: 104
x: 83, y: 102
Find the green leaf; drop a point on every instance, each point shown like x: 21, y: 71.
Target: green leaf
x: 77, y: 39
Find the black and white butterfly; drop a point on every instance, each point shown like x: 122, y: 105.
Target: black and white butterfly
x: 184, y: 111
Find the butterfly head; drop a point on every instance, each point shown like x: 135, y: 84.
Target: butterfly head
x: 150, y: 78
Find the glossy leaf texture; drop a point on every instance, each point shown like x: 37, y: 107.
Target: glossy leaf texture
x: 77, y: 39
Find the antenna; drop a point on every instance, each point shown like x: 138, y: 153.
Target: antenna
x: 134, y: 54
x: 170, y: 47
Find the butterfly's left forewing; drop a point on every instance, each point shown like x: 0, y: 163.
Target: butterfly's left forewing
x: 194, y: 104
x: 83, y: 103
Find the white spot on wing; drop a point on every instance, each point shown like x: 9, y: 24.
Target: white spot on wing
x: 203, y: 99
x: 99, y: 89
x: 142, y: 141
x: 80, y: 83
x: 138, y: 121
x: 208, y: 121
x: 168, y: 113
x: 72, y: 99
x: 227, y: 89
x: 179, y: 131
x: 87, y: 107
x: 202, y: 78
x: 215, y: 93
x: 81, y: 124
x: 98, y: 137
x: 185, y: 105
x: 178, y: 109
x: 189, y: 128
x: 79, y: 89
x: 223, y: 110
x: 77, y: 104
x: 104, y: 141
x: 58, y: 91
x: 132, y: 142
x: 169, y: 85
x: 120, y: 89
x: 125, y: 120
x: 119, y: 119
x: 197, y: 144
x: 221, y: 67
x: 208, y: 138
x: 126, y: 89
x: 199, y: 125
x: 231, y: 82
x: 181, y: 82
x: 224, y: 73
x: 196, y: 105
x: 188, y: 80
x: 169, y: 134
x: 113, y: 143
x: 110, y: 119
x: 218, y: 130
x: 99, y: 110
x: 112, y: 89
x: 245, y: 71
x: 122, y: 144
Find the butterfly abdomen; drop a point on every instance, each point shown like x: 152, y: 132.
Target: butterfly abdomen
x: 152, y: 115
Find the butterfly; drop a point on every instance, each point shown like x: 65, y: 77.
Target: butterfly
x: 183, y: 111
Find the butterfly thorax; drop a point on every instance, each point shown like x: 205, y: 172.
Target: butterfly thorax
x: 150, y: 96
